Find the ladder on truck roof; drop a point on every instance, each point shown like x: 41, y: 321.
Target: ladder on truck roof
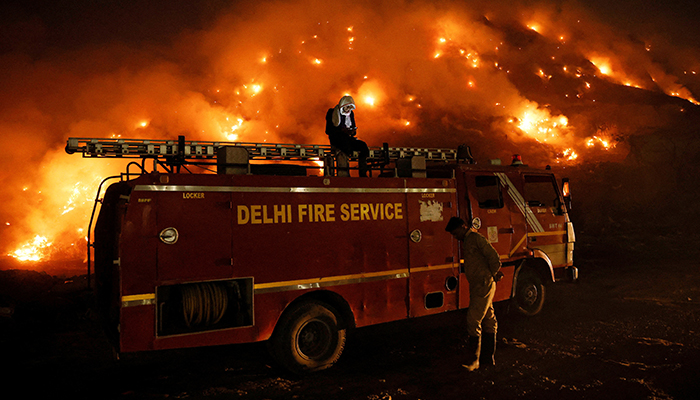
x: 181, y: 151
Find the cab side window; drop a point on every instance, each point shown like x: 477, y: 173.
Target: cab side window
x: 488, y: 192
x: 541, y: 191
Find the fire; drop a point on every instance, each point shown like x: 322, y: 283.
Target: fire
x: 570, y: 154
x: 603, y: 65
x: 57, y: 215
x: 232, y: 135
x: 534, y: 27
x: 33, y: 250
x: 77, y: 197
x: 417, y: 73
x: 540, y: 125
x: 605, y: 143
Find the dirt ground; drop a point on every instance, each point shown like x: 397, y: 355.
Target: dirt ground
x: 629, y: 329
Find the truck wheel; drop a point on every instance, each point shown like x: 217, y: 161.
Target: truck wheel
x: 529, y: 292
x: 307, y: 338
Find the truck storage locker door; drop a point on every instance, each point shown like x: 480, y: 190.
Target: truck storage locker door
x: 549, y: 231
x: 433, y: 270
x: 489, y: 204
x: 203, y: 247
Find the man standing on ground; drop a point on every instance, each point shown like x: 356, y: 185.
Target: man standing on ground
x: 482, y: 268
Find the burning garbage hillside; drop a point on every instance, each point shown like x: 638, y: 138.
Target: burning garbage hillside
x: 549, y: 80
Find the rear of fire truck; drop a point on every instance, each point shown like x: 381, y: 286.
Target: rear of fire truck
x: 185, y: 260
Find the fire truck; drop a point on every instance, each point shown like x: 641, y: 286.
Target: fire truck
x: 211, y: 243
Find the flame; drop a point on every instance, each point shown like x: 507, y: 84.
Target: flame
x: 570, y: 154
x: 605, y: 143
x: 232, y: 135
x: 271, y: 75
x: 76, y: 195
x: 33, y: 250
x: 603, y: 64
x: 534, y: 27
x: 65, y: 208
x: 540, y: 125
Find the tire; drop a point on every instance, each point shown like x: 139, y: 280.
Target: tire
x: 307, y: 338
x: 529, y: 292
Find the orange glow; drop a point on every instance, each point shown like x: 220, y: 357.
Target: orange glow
x: 534, y: 27
x: 371, y: 92
x: 603, y: 65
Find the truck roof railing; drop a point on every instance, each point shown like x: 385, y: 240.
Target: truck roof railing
x: 202, y: 150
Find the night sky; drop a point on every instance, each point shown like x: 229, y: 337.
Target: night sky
x: 35, y: 26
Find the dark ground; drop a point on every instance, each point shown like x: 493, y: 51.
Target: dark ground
x: 630, y: 329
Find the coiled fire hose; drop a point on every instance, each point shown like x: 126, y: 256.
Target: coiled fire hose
x: 204, y: 303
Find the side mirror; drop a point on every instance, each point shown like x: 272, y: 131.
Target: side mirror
x: 566, y: 192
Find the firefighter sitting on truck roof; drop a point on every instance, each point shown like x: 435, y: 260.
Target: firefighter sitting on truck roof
x: 341, y: 130
x: 482, y: 268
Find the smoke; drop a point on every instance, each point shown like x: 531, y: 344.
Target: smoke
x: 544, y: 79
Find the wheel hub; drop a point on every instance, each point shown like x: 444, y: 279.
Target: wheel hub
x: 530, y: 294
x: 314, y: 339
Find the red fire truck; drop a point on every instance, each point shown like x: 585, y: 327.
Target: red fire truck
x: 257, y: 248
